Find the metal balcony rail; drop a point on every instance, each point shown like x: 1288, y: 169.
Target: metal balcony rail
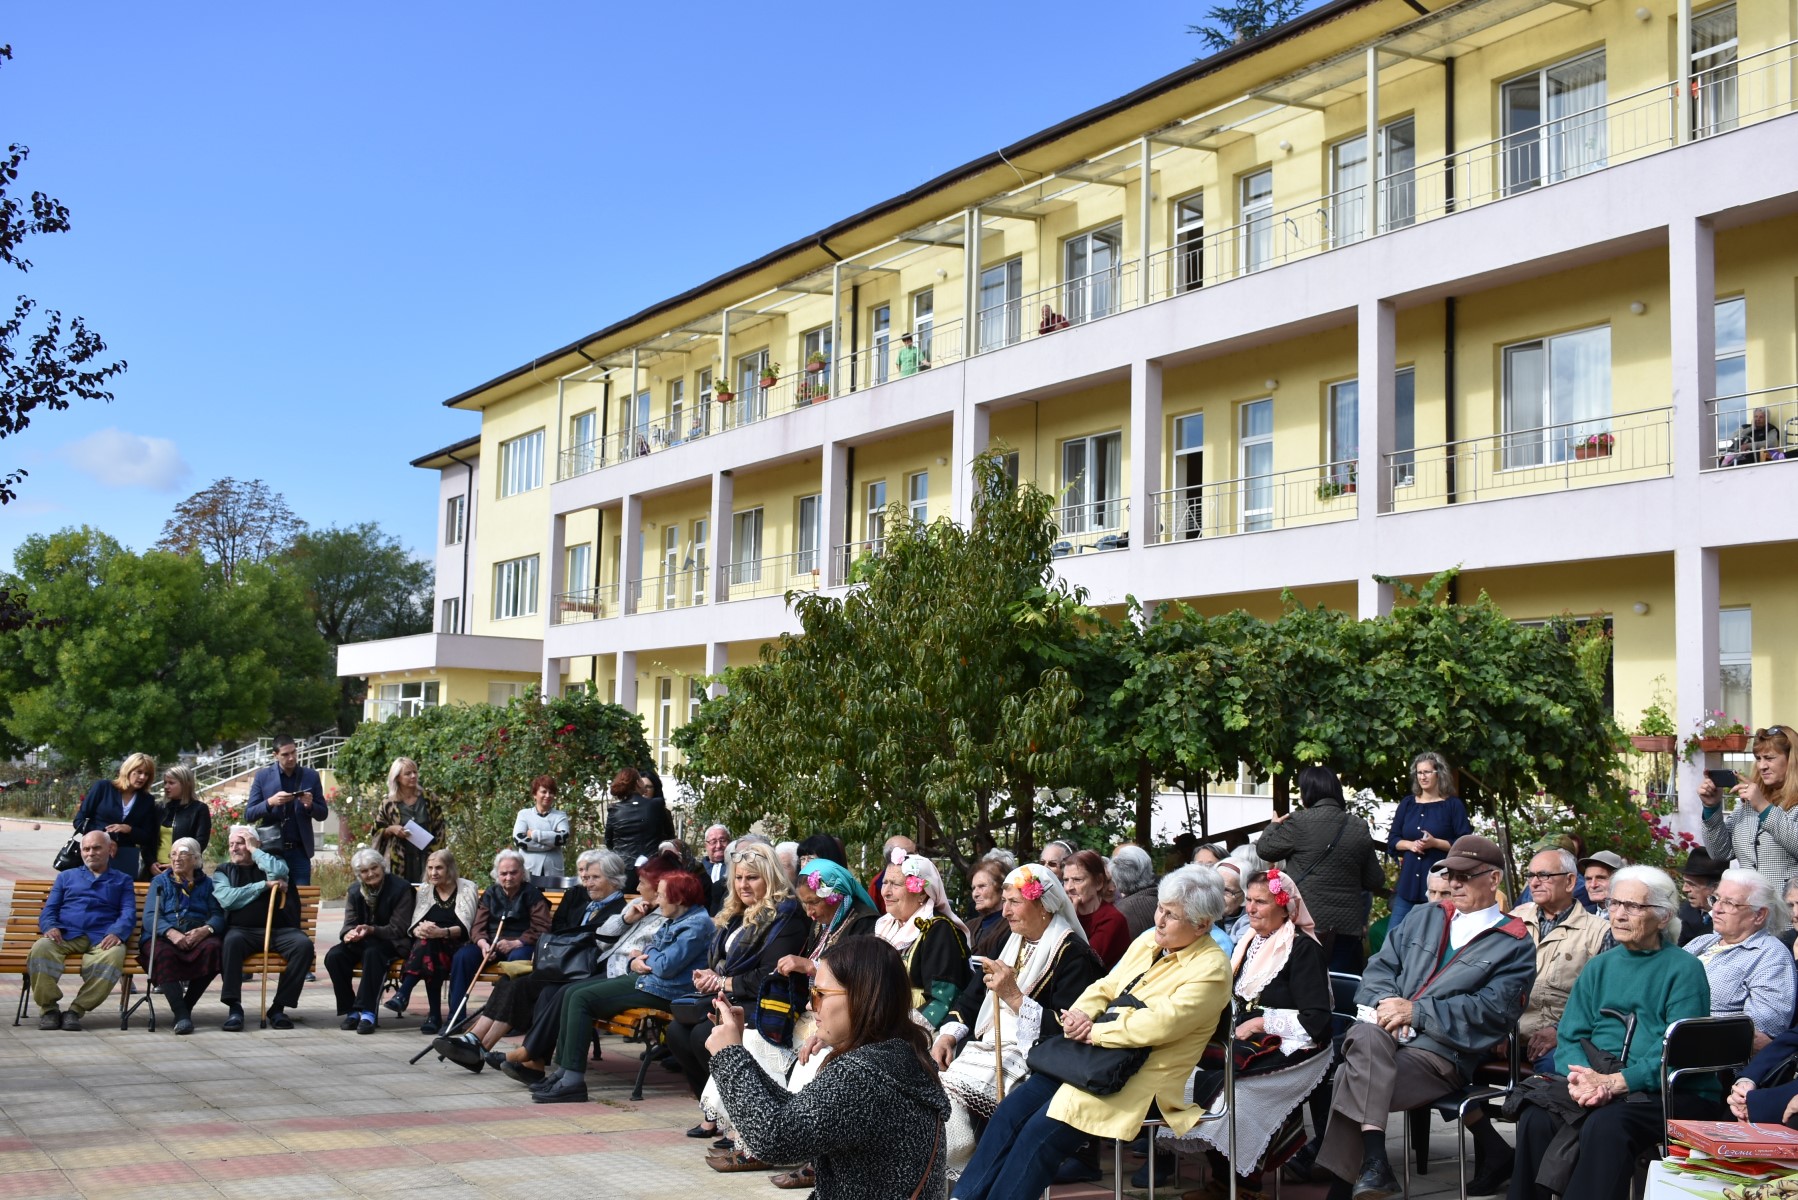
x: 939, y: 345
x: 1753, y: 427
x: 775, y: 575
x: 852, y: 561
x: 1254, y: 503
x: 1267, y: 240
x: 1092, y: 527
x: 1059, y: 306
x: 1608, y: 449
x: 584, y: 604
x: 670, y: 589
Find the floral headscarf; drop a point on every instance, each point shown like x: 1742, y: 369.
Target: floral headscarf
x: 1034, y: 881
x: 837, y: 887
x: 921, y: 878
x: 1270, y: 960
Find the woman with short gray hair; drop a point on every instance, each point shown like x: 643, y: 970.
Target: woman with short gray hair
x: 187, y: 921
x: 1133, y: 874
x: 1749, y: 970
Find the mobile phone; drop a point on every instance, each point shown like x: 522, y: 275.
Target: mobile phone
x: 1724, y: 779
x: 976, y: 962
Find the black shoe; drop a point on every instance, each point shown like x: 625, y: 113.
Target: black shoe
x: 550, y: 1075
x: 71, y: 1020
x: 569, y: 1089
x: 365, y: 1026
x: 724, y: 1143
x: 184, y: 1026
x: 495, y: 1059
x: 349, y: 1021
x: 1377, y: 1181
x: 1164, y: 1171
x: 700, y: 1131
x: 233, y: 1021
x: 1072, y: 1170
x: 430, y: 1027
x: 278, y: 1019
x: 311, y: 978
x: 520, y: 1072
x: 1492, y: 1181
x: 50, y: 1018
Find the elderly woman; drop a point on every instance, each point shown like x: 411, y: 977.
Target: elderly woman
x: 1017, y: 999
x: 441, y: 916
x: 181, y: 813
x: 405, y: 805
x: 872, y: 1119
x: 1750, y: 971
x: 1282, y: 1040
x: 634, y: 927
x: 655, y: 977
x: 759, y: 925
x: 595, y: 907
x: 1331, y: 851
x: 188, y: 923
x: 1426, y: 824
x: 1610, y: 1046
x: 377, y: 912
x: 1089, y: 888
x: 636, y: 825
x: 921, y: 926
x: 1133, y: 873
x: 508, y: 919
x: 1178, y: 984
x: 1761, y: 832
x: 1057, y: 853
x: 124, y: 808
x: 987, y: 928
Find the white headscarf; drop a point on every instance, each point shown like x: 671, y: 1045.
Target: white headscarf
x: 901, y: 934
x: 1063, y: 923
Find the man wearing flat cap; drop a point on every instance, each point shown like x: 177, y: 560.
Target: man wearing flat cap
x: 1596, y: 870
x: 1698, y: 879
x: 1448, y: 985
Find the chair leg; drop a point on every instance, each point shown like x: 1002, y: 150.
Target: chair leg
x: 642, y: 1071
x: 24, y: 1008
x: 1117, y: 1167
x: 1405, y: 1158
x: 1420, y: 1137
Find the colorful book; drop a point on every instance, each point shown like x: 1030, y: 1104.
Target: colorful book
x: 1738, y: 1139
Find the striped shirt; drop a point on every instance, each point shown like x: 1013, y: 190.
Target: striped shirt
x: 1755, y: 976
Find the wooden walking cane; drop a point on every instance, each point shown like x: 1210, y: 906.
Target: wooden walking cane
x: 449, y: 1026
x: 268, y: 929
x: 998, y: 1050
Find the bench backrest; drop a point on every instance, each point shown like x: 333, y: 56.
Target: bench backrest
x: 30, y: 895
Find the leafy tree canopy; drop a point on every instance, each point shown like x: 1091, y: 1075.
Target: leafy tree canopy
x: 230, y: 523
x: 1226, y: 25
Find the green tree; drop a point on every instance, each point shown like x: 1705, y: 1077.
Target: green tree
x: 47, y: 371
x: 918, y: 702
x: 1227, y: 25
x: 231, y: 522
x: 362, y: 585
x: 476, y: 761
x: 150, y: 652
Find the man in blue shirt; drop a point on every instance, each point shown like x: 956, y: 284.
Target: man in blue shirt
x: 91, y: 911
x: 291, y: 796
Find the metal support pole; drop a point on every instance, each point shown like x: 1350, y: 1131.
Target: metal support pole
x: 561, y: 385
x: 1142, y: 283
x: 1682, y: 105
x: 630, y: 449
x: 836, y: 324
x: 723, y: 377
x: 1371, y: 218
x: 971, y: 285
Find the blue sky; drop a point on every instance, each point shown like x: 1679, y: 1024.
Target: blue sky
x: 305, y: 226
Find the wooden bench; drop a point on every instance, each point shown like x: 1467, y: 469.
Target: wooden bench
x: 646, y: 1026
x: 28, y: 899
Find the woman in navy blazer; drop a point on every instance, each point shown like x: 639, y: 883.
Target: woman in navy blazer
x: 124, y: 808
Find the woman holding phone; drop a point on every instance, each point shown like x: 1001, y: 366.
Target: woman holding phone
x: 1762, y: 831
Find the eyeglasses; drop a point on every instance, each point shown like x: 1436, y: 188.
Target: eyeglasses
x: 1718, y: 902
x: 1468, y: 876
x: 1630, y: 907
x: 743, y: 856
x: 1544, y: 876
x: 818, y: 993
x: 1771, y: 731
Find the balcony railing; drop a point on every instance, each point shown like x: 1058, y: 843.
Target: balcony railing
x: 938, y: 345
x: 1753, y: 427
x: 1057, y: 307
x: 776, y: 575
x: 584, y: 604
x: 1609, y: 449
x: 671, y: 589
x: 1255, y: 503
x: 1093, y: 527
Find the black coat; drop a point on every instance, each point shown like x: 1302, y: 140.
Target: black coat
x: 636, y: 825
x: 190, y: 820
x: 1074, y: 969
x: 1302, y: 984
x: 104, y: 805
x: 938, y: 964
x: 749, y: 963
x: 1333, y: 872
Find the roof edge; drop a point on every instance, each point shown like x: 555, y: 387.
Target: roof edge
x: 425, y: 460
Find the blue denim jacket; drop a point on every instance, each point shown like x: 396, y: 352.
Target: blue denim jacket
x: 677, y: 950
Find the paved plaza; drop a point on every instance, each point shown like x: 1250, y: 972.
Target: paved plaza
x: 314, y: 1113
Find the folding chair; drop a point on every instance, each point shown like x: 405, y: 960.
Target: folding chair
x: 1701, y: 1046
x: 1496, y: 1078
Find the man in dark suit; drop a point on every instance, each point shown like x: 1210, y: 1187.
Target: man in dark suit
x: 717, y: 871
x: 1698, y: 879
x: 286, y: 794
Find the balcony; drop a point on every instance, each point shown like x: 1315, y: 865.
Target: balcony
x: 1256, y: 503
x: 1753, y: 428
x: 1094, y: 527
x: 584, y: 604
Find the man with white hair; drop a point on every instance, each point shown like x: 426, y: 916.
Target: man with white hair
x: 511, y: 916
x: 1133, y: 874
x: 787, y: 854
x: 91, y: 912
x: 1750, y: 970
x: 245, y: 886
x: 717, y: 870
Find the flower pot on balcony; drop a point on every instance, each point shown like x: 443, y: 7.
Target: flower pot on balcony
x: 768, y: 381
x: 813, y: 368
x: 1654, y: 745
x: 1348, y: 489
x: 1585, y: 450
x: 724, y: 397
x: 1733, y: 743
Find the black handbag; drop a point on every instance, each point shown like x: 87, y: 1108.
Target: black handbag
x: 1097, y: 1070
x: 691, y: 1010
x: 566, y: 956
x: 69, y: 857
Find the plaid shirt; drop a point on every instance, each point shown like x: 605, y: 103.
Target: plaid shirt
x: 1755, y: 976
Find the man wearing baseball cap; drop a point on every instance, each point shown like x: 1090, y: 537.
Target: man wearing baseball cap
x: 1447, y: 986
x: 1596, y: 870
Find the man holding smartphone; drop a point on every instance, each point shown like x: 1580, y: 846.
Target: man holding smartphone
x: 289, y: 796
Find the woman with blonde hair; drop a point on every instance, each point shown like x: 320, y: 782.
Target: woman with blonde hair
x: 405, y: 803
x: 1761, y: 833
x: 182, y: 814
x: 124, y: 809
x: 761, y: 923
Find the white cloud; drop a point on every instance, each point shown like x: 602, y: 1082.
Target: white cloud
x: 116, y: 458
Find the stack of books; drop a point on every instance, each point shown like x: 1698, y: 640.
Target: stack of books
x: 1734, y: 1160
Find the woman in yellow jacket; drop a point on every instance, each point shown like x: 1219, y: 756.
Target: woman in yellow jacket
x: 1182, y: 981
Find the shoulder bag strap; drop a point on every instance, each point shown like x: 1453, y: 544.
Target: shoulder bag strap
x: 930, y: 1163
x: 1337, y: 837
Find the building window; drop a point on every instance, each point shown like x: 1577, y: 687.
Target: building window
x: 670, y: 564
x: 502, y: 692
x: 677, y: 411
x: 702, y: 417
x: 917, y: 496
x: 1557, y: 390
x: 1257, y: 232
x: 449, y: 619
x: 1732, y: 369
x: 746, y: 547
x: 1714, y: 71
x: 579, y: 568
x: 1735, y: 663
x: 404, y: 699
x: 1187, y: 516
x: 880, y: 342
x: 1554, y: 123
x: 455, y: 520
x: 923, y: 321
x: 696, y: 556
x: 695, y: 697
x: 1396, y: 192
x: 810, y: 528
x: 875, y: 521
x: 1089, y: 273
x: 1092, y: 479
x: 1404, y: 428
x: 515, y: 588
x: 1008, y: 463
x: 521, y: 464
x: 1343, y: 430
x: 664, y: 717
x: 1256, y: 466
x: 1001, y: 293
x: 583, y: 442
x: 818, y: 341
x: 1189, y: 243
x: 752, y: 400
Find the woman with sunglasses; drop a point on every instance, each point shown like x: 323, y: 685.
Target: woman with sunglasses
x: 1762, y: 831
x: 872, y: 1120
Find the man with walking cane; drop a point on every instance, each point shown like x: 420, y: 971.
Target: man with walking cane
x: 261, y: 913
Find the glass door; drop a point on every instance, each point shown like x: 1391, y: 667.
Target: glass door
x: 923, y: 321
x: 1089, y: 272
x: 1714, y: 72
x: 696, y: 557
x: 1189, y: 243
x: 1001, y: 290
x: 752, y: 401
x: 746, y: 547
x: 670, y: 565
x: 880, y: 342
x: 1256, y: 490
x: 1257, y: 246
x: 1189, y: 478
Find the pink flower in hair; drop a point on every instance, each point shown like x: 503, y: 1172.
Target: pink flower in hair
x: 1276, y: 887
x: 914, y: 884
x: 1031, y: 889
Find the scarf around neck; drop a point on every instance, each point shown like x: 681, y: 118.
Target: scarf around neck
x: 1253, y: 976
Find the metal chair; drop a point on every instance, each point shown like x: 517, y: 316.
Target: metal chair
x: 1151, y: 1124
x: 1496, y: 1078
x: 1701, y: 1046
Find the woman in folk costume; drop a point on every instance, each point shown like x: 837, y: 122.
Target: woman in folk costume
x: 1282, y: 1036
x: 928, y: 935
x: 1017, y: 999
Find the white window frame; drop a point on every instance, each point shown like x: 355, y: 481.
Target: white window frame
x: 1715, y: 102
x: 670, y: 564
x: 1083, y: 509
x: 1396, y: 188
x: 1001, y: 321
x: 1555, y: 148
x: 751, y: 403
x: 677, y: 412
x: 1089, y: 294
x: 1732, y: 360
x: 1189, y: 242
x: 515, y: 588
x: 874, y: 527
x: 1255, y: 248
x: 880, y: 343
x: 1551, y: 440
x: 1188, y: 493
x: 455, y: 520
x: 664, y: 717
x: 746, y: 546
x: 923, y: 321
x: 1255, y: 501
x: 1404, y: 427
x: 501, y: 692
x: 583, y: 442
x: 410, y: 698
x: 449, y: 616
x: 814, y: 341
x: 702, y: 418
x: 1342, y: 409
x: 809, y: 529
x: 697, y: 552
x: 917, y: 496
x: 521, y: 464
x: 577, y: 573
x: 1735, y: 630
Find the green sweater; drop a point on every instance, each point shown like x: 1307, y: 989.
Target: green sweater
x: 1659, y: 987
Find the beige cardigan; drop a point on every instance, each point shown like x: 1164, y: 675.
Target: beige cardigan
x: 467, y: 896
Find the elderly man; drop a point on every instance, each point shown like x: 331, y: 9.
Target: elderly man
x: 377, y: 920
x: 289, y: 796
x: 1446, y: 987
x: 245, y: 886
x: 1435, y: 886
x: 1750, y: 970
x: 717, y: 871
x: 1595, y: 871
x: 91, y: 912
x: 511, y: 916
x: 1698, y: 880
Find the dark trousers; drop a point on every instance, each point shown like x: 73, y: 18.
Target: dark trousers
x: 1016, y: 1157
x: 546, y: 1023
x: 299, y: 866
x: 687, y: 1044
x: 1610, y: 1138
x: 374, y: 955
x: 595, y: 1000
x: 238, y: 944
x: 467, y: 964
x: 1345, y: 952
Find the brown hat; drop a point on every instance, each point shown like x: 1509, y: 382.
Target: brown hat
x: 1472, y: 852
x: 1700, y: 865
